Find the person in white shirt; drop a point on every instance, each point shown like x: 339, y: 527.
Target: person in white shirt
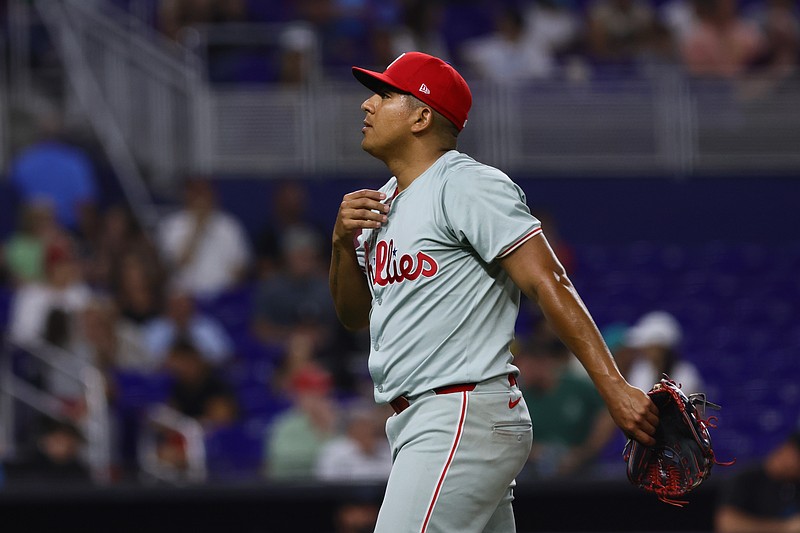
x: 63, y: 290
x: 656, y: 336
x: 206, y: 249
x: 360, y: 454
x: 510, y: 54
x: 47, y: 313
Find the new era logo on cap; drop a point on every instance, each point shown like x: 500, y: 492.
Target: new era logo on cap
x: 430, y: 79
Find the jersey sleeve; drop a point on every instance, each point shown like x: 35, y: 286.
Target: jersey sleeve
x: 487, y: 211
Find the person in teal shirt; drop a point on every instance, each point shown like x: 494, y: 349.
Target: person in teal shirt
x: 571, y: 424
x: 295, y: 438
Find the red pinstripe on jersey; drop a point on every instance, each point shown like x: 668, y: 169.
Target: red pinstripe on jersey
x: 519, y: 242
x: 446, y: 468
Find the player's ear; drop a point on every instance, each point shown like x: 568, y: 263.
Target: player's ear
x: 423, y: 119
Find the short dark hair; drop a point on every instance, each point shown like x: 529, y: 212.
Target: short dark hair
x: 50, y: 426
x: 184, y: 346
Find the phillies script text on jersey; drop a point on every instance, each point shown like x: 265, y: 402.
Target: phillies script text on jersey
x: 389, y: 269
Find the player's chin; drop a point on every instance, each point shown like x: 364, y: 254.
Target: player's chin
x: 367, y: 146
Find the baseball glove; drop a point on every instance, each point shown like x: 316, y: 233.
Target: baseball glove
x: 682, y: 456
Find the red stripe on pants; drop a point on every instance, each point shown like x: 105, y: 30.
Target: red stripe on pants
x: 453, y: 449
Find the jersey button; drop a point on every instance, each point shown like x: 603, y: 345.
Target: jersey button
x: 380, y: 388
x: 379, y: 301
x: 376, y: 346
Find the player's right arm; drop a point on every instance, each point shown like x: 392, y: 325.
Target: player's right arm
x: 351, y: 296
x: 537, y: 271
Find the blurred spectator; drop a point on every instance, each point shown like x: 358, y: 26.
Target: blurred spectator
x: 206, y: 249
x: 109, y: 341
x: 60, y: 172
x: 510, y: 54
x: 137, y: 286
x: 656, y: 337
x: 779, y: 22
x: 679, y: 17
x: 343, y: 27
x: 721, y: 44
x: 300, y: 351
x: 362, y: 453
x: 288, y: 215
x: 57, y: 457
x: 618, y: 29
x: 24, y: 250
x: 624, y: 356
x: 199, y: 390
x: 660, y: 48
x: 571, y: 421
x: 420, y: 30
x: 114, y: 346
x: 299, y: 57
x: 118, y: 235
x: 175, y: 15
x: 182, y: 320
x: 298, y: 297
x: 764, y: 498
x: 614, y: 337
x: 554, y: 23
x: 45, y: 318
x: 297, y: 436
x: 44, y: 311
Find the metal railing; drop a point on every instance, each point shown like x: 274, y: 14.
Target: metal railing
x: 16, y: 390
x: 664, y: 123
x: 95, y: 424
x: 19, y: 48
x: 69, y: 26
x: 268, y: 42
x: 151, y: 102
x: 4, y: 105
x: 143, y: 95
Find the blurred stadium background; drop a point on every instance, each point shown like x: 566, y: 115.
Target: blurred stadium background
x: 672, y: 188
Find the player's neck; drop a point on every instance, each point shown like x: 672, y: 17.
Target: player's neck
x: 408, y: 168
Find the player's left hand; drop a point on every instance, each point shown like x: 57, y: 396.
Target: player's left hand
x: 635, y: 414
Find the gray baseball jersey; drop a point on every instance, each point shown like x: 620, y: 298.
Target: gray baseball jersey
x: 443, y: 310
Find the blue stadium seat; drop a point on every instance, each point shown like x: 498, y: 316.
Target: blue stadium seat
x: 136, y: 390
x: 234, y: 453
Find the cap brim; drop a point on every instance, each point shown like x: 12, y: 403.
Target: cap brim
x: 374, y: 81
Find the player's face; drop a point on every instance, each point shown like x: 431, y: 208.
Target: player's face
x: 386, y: 124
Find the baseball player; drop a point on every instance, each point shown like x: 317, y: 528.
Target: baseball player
x: 433, y: 263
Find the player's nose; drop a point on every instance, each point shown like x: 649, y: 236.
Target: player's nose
x: 367, y: 106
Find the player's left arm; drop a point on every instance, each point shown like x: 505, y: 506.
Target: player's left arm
x: 539, y: 274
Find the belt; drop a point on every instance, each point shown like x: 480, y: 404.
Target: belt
x: 401, y: 403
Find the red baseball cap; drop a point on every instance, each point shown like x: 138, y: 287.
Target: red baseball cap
x: 428, y: 78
